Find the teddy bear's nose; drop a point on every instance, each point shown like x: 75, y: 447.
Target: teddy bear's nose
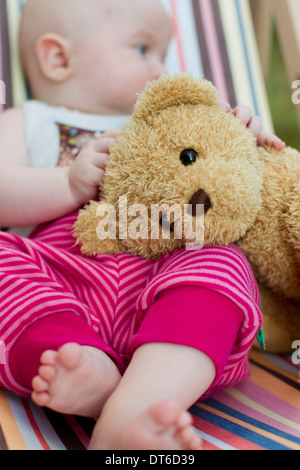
x: 200, y: 197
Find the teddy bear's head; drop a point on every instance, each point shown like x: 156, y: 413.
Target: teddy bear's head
x: 182, y: 171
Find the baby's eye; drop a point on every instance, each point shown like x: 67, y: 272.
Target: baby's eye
x: 188, y: 157
x: 142, y: 49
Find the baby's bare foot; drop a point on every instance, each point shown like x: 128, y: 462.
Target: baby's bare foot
x: 75, y: 380
x: 164, y: 426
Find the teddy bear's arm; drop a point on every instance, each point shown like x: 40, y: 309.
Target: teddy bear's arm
x: 91, y: 231
x: 292, y: 219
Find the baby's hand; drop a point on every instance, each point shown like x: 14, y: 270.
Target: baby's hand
x: 87, y: 171
x: 254, y: 124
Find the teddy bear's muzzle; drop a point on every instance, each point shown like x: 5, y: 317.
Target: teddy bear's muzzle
x: 200, y: 197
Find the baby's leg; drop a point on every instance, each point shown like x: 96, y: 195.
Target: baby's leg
x: 169, y: 366
x: 147, y: 410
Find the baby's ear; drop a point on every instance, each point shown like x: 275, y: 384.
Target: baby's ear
x: 53, y: 53
x: 180, y: 89
x: 96, y: 229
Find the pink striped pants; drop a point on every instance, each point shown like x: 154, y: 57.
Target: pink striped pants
x: 51, y: 294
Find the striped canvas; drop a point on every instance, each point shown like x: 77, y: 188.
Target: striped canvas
x: 10, y: 68
x: 263, y: 413
x: 215, y: 39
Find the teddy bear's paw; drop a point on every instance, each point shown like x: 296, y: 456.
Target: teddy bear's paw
x: 277, y: 339
x: 292, y: 219
x: 92, y: 231
x: 281, y: 321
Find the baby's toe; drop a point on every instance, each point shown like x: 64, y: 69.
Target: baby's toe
x: 40, y: 394
x: 40, y: 399
x: 48, y: 373
x: 70, y: 355
x: 190, y: 438
x: 39, y: 384
x: 49, y: 358
x: 184, y: 419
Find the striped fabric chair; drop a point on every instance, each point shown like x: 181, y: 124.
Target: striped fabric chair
x: 10, y: 68
x: 215, y: 39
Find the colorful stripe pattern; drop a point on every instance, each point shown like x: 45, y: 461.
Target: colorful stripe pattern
x: 5, y: 64
x: 10, y: 69
x: 262, y: 413
x: 215, y: 39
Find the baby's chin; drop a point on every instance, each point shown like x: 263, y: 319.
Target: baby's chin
x: 118, y: 110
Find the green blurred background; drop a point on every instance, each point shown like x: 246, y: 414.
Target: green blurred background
x: 279, y: 92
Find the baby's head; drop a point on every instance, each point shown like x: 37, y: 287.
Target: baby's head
x: 93, y: 55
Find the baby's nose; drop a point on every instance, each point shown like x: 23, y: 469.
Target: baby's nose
x: 200, y: 197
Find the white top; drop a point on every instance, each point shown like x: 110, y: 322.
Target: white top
x: 43, y: 136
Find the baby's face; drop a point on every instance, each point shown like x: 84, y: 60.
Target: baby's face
x: 128, y: 51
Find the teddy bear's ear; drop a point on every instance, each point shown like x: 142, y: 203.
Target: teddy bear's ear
x: 168, y: 91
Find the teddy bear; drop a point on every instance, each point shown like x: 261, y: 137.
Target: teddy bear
x: 184, y: 173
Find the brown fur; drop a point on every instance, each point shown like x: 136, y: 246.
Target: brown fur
x: 254, y: 192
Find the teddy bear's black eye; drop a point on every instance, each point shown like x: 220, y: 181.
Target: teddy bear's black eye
x: 188, y: 157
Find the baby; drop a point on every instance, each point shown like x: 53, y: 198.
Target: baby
x: 89, y: 60
x: 85, y: 67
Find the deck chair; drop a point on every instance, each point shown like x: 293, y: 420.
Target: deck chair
x: 285, y: 16
x: 287, y: 20
x: 215, y: 39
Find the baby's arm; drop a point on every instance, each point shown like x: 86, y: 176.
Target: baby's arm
x: 28, y: 196
x: 88, y: 169
x: 32, y: 196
